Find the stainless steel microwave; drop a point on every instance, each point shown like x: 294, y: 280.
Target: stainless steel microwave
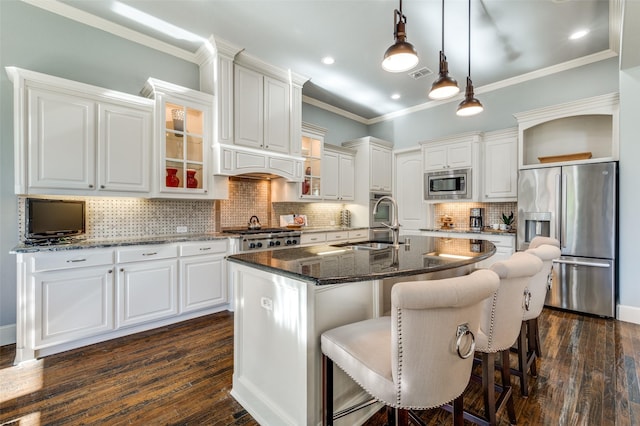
x: 448, y: 185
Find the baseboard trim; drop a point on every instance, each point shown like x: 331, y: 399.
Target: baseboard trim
x: 629, y: 314
x: 7, y: 334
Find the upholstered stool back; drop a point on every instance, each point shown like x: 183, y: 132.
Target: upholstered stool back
x: 538, y: 286
x: 502, y: 314
x: 538, y: 241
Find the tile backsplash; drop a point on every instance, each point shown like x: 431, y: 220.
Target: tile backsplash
x: 109, y: 218
x: 459, y: 212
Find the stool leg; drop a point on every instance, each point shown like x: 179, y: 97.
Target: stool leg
x: 327, y: 391
x: 506, y: 386
x: 458, y: 411
x: 488, y: 385
x: 522, y: 360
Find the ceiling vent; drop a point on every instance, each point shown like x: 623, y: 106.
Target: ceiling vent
x: 422, y: 72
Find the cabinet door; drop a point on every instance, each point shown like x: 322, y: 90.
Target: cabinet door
x: 347, y: 177
x: 459, y: 155
x: 276, y: 116
x: 296, y: 121
x: 249, y: 107
x: 124, y: 144
x: 147, y: 291
x: 202, y: 282
x: 72, y: 304
x: 330, y: 175
x: 380, y: 170
x: 61, y: 141
x: 411, y: 210
x: 434, y: 158
x: 501, y: 169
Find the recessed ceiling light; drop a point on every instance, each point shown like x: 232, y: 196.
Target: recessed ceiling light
x: 578, y: 34
x: 395, y: 96
x: 328, y: 60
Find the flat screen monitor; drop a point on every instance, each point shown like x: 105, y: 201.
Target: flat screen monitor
x: 54, y: 219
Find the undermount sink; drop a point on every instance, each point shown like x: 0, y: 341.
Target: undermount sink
x: 367, y: 245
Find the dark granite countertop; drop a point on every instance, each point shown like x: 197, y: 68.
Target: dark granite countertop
x: 485, y: 230
x: 118, y: 242
x: 332, y: 264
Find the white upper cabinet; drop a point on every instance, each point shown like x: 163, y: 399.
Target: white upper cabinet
x: 455, y: 155
x: 183, y: 140
x: 500, y: 165
x: 412, y: 211
x: 381, y: 168
x: 338, y: 171
x: 76, y: 139
x: 262, y: 111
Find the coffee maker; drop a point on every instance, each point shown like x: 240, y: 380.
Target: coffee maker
x: 476, y: 219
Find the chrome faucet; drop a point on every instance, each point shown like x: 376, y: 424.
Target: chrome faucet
x: 395, y: 225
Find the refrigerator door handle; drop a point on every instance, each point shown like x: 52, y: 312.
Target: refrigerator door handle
x: 558, y: 203
x: 579, y: 263
x: 563, y: 229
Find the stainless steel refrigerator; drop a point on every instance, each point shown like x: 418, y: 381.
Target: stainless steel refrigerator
x: 577, y: 205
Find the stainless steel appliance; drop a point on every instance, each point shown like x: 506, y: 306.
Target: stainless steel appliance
x: 476, y: 218
x: 448, y: 185
x: 577, y: 205
x: 384, y: 214
x: 265, y: 238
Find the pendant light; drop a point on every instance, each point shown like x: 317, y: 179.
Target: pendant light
x: 445, y: 86
x: 470, y: 105
x: 401, y: 56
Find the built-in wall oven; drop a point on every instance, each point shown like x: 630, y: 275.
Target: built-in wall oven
x: 384, y: 213
x: 448, y: 185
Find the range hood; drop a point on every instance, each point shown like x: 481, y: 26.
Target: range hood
x: 232, y: 160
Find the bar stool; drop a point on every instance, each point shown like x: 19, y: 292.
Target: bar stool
x: 528, y: 344
x: 418, y: 358
x: 499, y: 327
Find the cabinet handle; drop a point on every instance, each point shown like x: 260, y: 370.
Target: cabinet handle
x: 76, y: 260
x: 121, y: 269
x: 111, y: 271
x: 205, y: 248
x: 90, y: 186
x: 102, y: 186
x: 153, y: 253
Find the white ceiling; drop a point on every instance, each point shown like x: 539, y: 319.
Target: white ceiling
x: 508, y: 38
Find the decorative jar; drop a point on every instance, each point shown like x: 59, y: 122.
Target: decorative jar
x: 172, y: 180
x: 192, y: 182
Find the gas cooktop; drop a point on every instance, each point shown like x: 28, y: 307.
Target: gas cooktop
x: 245, y: 231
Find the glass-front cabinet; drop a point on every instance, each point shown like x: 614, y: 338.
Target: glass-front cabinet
x: 312, y: 143
x: 183, y: 141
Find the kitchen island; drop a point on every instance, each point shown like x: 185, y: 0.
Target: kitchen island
x: 285, y: 299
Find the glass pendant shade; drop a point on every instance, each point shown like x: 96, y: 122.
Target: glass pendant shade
x: 470, y: 105
x: 445, y: 86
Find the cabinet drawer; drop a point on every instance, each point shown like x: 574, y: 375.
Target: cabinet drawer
x: 498, y: 241
x: 360, y: 233
x: 139, y: 253
x: 337, y: 236
x: 204, y: 247
x: 313, y: 238
x: 71, y: 259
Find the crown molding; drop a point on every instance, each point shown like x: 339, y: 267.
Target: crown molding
x: 77, y: 15
x: 335, y: 110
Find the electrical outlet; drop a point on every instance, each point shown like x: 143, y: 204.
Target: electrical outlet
x: 332, y: 222
x: 181, y: 229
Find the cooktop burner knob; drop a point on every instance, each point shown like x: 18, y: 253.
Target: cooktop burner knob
x: 258, y: 245
x: 294, y: 241
x: 252, y: 245
x: 272, y: 243
x: 277, y: 243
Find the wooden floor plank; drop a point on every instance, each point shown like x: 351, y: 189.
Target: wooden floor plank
x: 181, y: 374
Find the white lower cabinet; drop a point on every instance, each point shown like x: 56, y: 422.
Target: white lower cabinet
x: 72, y: 304
x: 71, y: 298
x: 505, y: 244
x: 147, y: 291
x: 202, y: 270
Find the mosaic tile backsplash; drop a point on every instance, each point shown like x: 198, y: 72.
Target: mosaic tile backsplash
x: 459, y: 212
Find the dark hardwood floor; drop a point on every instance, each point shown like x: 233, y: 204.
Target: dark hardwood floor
x: 181, y: 374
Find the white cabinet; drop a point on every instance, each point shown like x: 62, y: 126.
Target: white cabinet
x: 500, y: 166
x: 183, y: 140
x: 262, y: 111
x: 381, y: 168
x: 308, y: 239
x: 457, y: 155
x: 203, y: 272
x: 505, y: 244
x: 76, y: 139
x: 338, y: 171
x: 147, y: 284
x: 408, y: 190
x: 72, y: 303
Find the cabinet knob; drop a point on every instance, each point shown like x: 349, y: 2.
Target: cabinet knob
x: 111, y: 271
x: 121, y: 269
x: 90, y: 186
x: 101, y: 186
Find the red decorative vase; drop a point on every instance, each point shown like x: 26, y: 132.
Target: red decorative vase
x: 192, y: 182
x: 172, y: 180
